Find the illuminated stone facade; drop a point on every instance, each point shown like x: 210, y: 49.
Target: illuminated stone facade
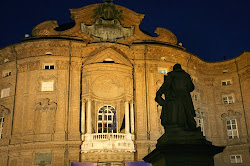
x: 63, y: 89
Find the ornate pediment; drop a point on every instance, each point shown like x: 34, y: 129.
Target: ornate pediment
x: 110, y: 54
x: 104, y: 22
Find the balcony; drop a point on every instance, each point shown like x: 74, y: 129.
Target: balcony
x: 114, y: 142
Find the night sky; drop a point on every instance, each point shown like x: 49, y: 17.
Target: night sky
x: 211, y: 29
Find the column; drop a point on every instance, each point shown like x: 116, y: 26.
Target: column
x: 83, y: 117
x: 126, y: 117
x: 89, y: 119
x: 132, y: 117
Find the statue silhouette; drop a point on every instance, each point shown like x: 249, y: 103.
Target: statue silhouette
x: 177, y: 107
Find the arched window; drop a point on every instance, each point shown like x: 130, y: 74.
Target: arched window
x: 106, y: 120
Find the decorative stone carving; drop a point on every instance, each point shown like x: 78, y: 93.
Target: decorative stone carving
x: 45, y: 29
x: 107, y: 11
x: 62, y: 65
x: 107, y: 87
x: 165, y: 35
x: 46, y: 105
x: 107, y: 30
x: 75, y: 66
x: 22, y: 67
x: 230, y: 115
x: 4, y: 111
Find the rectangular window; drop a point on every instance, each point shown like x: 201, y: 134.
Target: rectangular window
x: 48, y: 86
x: 162, y: 71
x: 228, y: 99
x: 49, y: 67
x: 226, y: 82
x: 232, y: 130
x: 6, y: 73
x: 5, y: 92
x: 1, y: 127
x: 236, y: 159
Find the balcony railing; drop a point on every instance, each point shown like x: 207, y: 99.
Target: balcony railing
x: 107, y: 141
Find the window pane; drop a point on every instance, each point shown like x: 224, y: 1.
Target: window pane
x: 99, y: 117
x: 47, y: 86
x: 235, y: 132
x: 52, y: 67
x: 229, y: 127
x: 228, y: 122
x: 233, y: 121
x: 233, y: 160
x: 229, y: 133
x: 234, y: 126
x: 46, y: 67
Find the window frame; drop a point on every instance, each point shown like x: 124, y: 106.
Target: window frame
x: 49, y: 65
x: 105, y: 118
x: 6, y: 73
x: 232, y: 128
x: 1, y: 126
x: 226, y: 82
x: 233, y: 158
x: 228, y: 101
x: 3, y: 95
x: 200, y: 121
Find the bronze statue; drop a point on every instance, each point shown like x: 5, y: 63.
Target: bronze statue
x: 177, y: 108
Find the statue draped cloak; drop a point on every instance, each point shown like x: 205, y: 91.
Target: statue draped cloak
x: 177, y: 108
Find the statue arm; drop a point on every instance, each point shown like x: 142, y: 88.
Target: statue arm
x: 159, y: 93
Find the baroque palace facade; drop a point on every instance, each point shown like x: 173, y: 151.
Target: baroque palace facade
x: 84, y: 92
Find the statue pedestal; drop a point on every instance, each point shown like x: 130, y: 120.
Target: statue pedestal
x: 183, y: 148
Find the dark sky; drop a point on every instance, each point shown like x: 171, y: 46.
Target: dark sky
x: 210, y: 29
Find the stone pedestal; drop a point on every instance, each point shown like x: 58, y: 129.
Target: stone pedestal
x: 183, y: 148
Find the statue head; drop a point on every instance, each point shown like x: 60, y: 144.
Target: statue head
x: 177, y: 66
